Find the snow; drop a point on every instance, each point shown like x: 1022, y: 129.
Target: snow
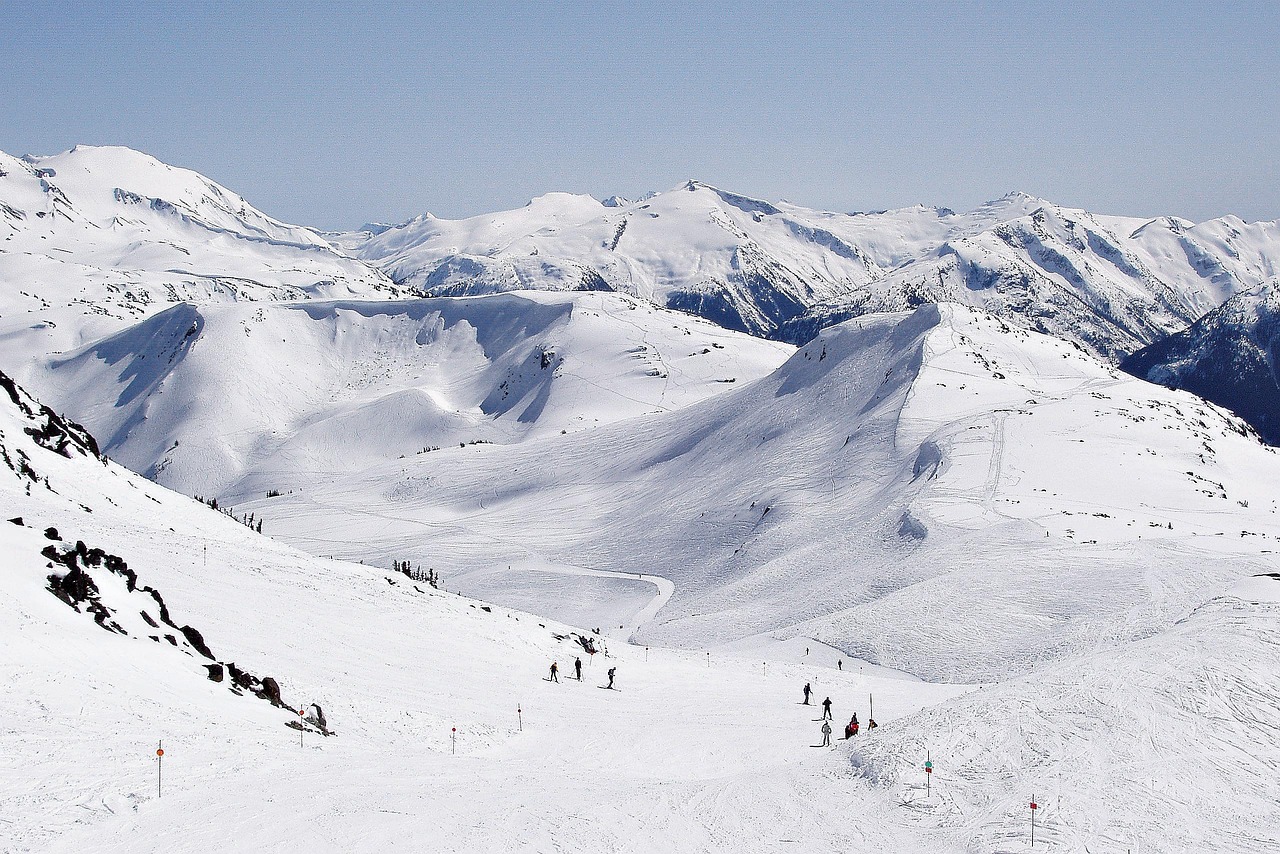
x: 693, y: 752
x: 96, y: 238
x: 1049, y: 517
x: 781, y: 270
x: 235, y: 400
x: 1054, y: 579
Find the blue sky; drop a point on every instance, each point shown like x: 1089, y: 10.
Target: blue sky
x: 335, y: 114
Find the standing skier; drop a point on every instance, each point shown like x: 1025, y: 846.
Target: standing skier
x: 611, y: 669
x: 826, y: 709
x: 826, y: 733
x: 577, y: 667
x: 555, y: 672
x: 839, y: 664
x: 807, y: 691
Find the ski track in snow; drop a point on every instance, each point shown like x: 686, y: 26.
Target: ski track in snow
x: 627, y: 631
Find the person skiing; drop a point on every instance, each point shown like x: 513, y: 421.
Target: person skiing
x: 555, y: 672
x: 807, y: 691
x: 611, y: 669
x: 826, y: 733
x: 871, y: 724
x: 850, y: 730
x: 826, y: 709
x: 577, y: 667
x: 853, y: 725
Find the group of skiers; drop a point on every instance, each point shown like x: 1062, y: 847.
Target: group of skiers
x: 850, y: 729
x: 577, y: 670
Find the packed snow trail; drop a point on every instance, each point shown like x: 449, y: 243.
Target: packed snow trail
x: 627, y: 630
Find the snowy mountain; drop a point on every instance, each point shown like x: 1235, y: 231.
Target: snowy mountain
x: 286, y: 394
x: 1228, y: 356
x: 780, y: 270
x: 123, y: 604
x: 896, y: 472
x: 97, y: 237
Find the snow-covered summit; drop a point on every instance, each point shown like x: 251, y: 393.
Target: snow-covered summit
x: 99, y: 236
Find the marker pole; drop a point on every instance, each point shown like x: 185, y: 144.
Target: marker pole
x: 453, y: 737
x: 520, y: 718
x: 1034, y: 807
x: 301, y: 728
x: 159, y: 764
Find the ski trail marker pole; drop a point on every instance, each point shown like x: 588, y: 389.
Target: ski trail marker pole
x: 1034, y: 807
x: 872, y: 700
x: 928, y: 774
x: 453, y: 738
x: 520, y: 718
x: 159, y: 764
x: 301, y: 728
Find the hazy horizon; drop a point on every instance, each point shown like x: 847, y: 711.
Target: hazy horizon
x: 334, y: 117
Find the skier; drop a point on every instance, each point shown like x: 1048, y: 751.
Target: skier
x: 577, y: 666
x: 853, y: 724
x: 871, y: 724
x: 611, y: 669
x: 849, y: 730
x: 839, y: 664
x: 807, y: 691
x: 826, y: 734
x: 555, y: 672
x: 826, y: 709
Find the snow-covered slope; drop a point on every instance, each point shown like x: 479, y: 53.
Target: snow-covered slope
x: 121, y: 601
x: 896, y: 471
x: 780, y: 270
x: 97, y: 237
x: 1228, y: 356
x: 287, y: 394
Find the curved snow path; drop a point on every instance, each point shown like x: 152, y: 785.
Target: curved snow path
x: 645, y: 615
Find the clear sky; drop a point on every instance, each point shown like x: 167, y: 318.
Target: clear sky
x: 334, y: 114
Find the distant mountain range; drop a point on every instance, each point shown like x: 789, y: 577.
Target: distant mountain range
x: 96, y: 238
x: 1113, y: 284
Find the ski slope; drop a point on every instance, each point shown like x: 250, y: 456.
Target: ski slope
x: 894, y: 472
x: 1158, y: 744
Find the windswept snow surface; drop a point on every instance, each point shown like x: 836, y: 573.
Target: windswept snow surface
x: 100, y: 236
x: 1160, y: 744
x: 896, y: 473
x: 781, y: 270
x: 237, y: 400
